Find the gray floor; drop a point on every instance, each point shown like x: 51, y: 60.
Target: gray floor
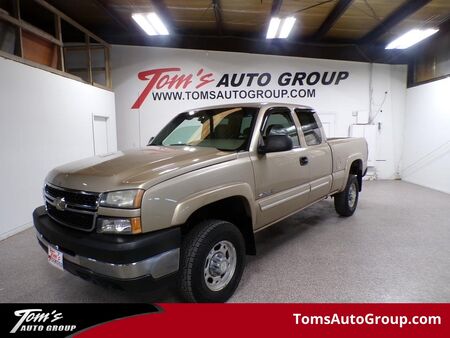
x: 396, y: 248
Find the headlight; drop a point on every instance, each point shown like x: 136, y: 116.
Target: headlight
x: 127, y: 199
x: 127, y: 226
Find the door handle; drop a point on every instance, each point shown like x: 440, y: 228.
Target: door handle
x: 304, y: 160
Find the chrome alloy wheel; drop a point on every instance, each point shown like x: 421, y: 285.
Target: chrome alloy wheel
x: 220, y: 265
x: 352, y: 196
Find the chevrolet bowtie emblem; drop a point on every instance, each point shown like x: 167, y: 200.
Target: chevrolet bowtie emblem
x: 60, y: 203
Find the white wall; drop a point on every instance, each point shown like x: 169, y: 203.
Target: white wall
x: 45, y: 121
x: 333, y: 102
x: 426, y: 150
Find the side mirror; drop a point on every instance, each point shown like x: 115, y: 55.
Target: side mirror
x: 150, y: 141
x: 275, y: 143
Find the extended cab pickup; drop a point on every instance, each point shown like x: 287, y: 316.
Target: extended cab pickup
x: 186, y: 207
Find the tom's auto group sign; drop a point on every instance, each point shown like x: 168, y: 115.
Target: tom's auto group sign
x: 165, y: 84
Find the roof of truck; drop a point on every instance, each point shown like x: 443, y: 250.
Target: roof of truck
x: 252, y: 104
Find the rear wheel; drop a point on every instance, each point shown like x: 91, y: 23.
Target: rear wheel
x: 346, y: 201
x: 212, y: 262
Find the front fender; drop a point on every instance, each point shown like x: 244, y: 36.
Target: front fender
x: 171, y: 202
x: 194, y: 202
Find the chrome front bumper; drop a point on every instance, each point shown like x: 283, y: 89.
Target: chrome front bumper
x: 156, y: 266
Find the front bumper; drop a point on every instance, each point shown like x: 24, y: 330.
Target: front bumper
x: 123, y: 261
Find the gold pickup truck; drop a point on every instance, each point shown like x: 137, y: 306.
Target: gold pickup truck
x: 185, y: 208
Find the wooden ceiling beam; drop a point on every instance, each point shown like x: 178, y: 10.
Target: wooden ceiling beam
x: 332, y: 18
x: 405, y: 10
x: 218, y: 15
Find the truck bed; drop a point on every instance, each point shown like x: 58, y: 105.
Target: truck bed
x: 345, y: 148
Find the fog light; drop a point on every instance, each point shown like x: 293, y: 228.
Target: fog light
x: 119, y: 225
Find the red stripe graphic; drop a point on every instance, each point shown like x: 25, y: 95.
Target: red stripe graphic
x: 283, y: 320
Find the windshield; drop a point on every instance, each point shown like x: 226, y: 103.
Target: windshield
x: 226, y: 129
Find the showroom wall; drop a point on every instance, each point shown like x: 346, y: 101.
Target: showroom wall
x: 342, y: 92
x: 426, y: 151
x: 45, y: 120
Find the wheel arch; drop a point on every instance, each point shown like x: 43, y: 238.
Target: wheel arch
x: 356, y: 168
x: 231, y: 203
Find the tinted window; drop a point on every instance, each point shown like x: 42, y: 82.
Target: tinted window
x: 310, y: 127
x: 280, y: 123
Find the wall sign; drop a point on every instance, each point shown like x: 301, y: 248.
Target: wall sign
x: 172, y: 84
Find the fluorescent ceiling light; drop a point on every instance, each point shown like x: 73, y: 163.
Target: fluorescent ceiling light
x: 286, y: 28
x: 141, y: 20
x: 280, y: 28
x: 156, y: 22
x: 411, y: 38
x: 273, y: 28
x: 150, y: 23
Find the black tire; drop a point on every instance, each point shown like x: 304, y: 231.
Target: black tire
x: 343, y: 203
x: 199, y: 243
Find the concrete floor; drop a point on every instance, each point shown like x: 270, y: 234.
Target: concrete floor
x: 395, y: 248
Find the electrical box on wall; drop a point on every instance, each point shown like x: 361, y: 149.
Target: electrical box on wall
x: 369, y: 132
x: 362, y: 117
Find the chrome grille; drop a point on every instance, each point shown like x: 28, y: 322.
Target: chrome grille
x: 72, y: 208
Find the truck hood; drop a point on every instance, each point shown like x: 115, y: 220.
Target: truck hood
x: 139, y: 168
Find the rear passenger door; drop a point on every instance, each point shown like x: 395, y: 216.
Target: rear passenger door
x: 318, y: 153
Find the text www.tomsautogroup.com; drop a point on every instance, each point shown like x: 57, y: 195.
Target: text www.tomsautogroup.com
x: 234, y: 94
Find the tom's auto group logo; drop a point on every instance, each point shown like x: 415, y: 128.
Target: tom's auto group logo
x: 62, y: 320
x: 36, y: 320
x: 166, y: 84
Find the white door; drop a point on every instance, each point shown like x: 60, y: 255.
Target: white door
x: 369, y: 132
x: 100, y: 135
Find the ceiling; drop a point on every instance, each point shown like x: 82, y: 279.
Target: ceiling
x: 332, y: 28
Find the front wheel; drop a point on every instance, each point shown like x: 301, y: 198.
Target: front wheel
x: 212, y: 262
x: 346, y: 201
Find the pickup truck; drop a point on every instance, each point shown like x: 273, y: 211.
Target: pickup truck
x: 185, y: 208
